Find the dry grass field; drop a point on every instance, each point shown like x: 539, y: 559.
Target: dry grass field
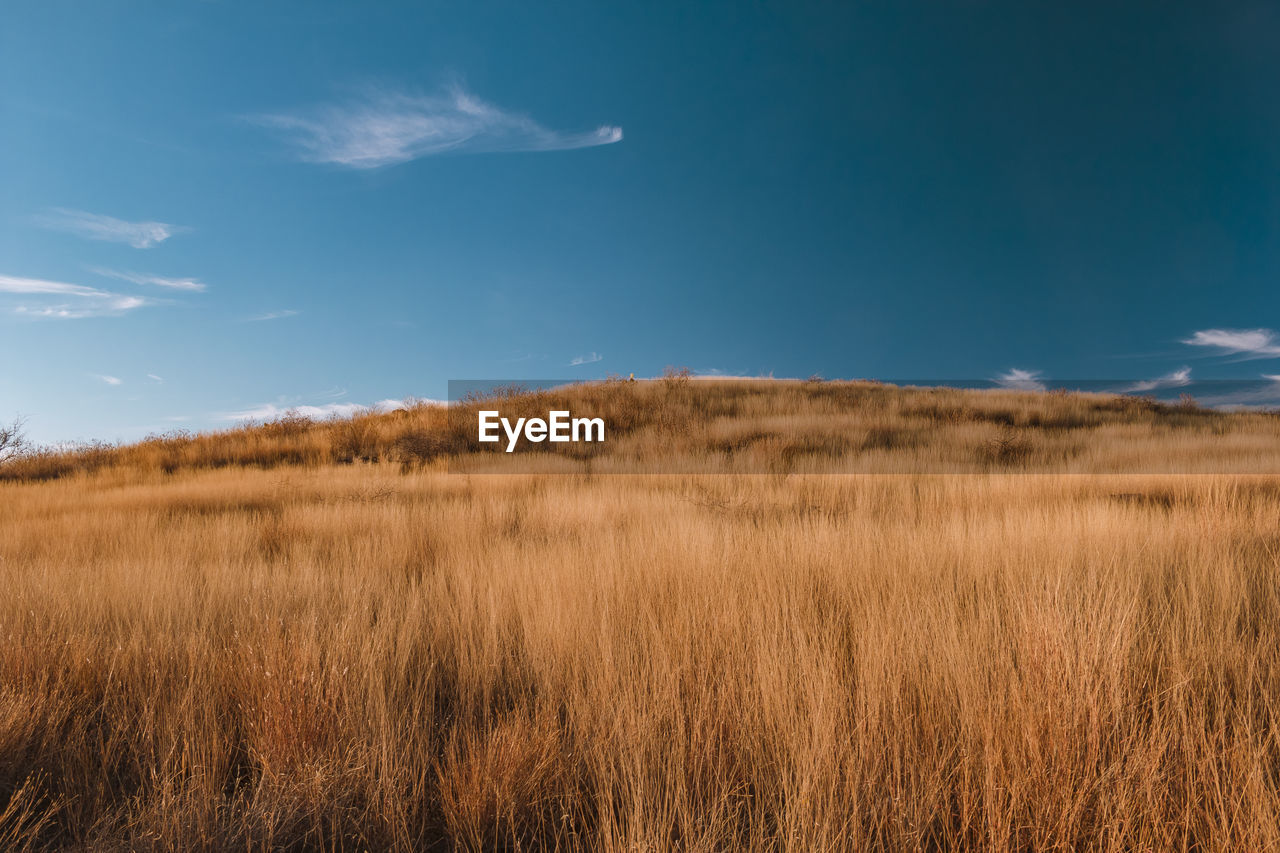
x: 1027, y: 624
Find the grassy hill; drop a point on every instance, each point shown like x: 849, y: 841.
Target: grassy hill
x: 761, y: 426
x: 1025, y: 626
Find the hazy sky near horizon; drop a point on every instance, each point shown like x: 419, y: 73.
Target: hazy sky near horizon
x: 215, y: 210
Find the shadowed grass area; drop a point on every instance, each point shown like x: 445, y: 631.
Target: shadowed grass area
x: 308, y: 636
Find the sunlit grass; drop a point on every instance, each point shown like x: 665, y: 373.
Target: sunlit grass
x: 258, y: 641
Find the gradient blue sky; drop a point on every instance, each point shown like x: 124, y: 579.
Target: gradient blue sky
x: 211, y: 209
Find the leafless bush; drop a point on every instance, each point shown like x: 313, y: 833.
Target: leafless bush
x: 415, y: 449
x: 291, y: 423
x: 676, y: 376
x: 1008, y: 447
x: 12, y: 440
x: 355, y: 440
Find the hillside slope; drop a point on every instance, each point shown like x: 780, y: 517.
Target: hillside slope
x: 314, y: 636
x: 745, y: 426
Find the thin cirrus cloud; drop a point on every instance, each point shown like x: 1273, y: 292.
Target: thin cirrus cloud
x: 1177, y: 379
x: 1020, y: 380
x: 272, y: 411
x: 191, y: 284
x: 95, y: 226
x: 1249, y: 343
x: 272, y: 315
x: 589, y: 358
x: 107, y: 380
x: 383, y: 128
x: 33, y: 297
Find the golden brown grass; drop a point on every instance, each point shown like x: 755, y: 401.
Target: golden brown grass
x: 242, y: 642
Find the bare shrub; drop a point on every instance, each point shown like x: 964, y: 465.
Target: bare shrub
x: 674, y: 377
x: 1010, y: 446
x: 291, y: 423
x: 12, y: 440
x: 355, y: 440
x: 415, y: 449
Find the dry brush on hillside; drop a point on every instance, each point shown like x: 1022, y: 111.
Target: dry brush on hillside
x: 680, y: 426
x: 312, y: 636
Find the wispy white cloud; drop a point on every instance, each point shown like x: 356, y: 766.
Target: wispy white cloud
x: 156, y: 379
x: 108, y: 380
x: 1251, y: 343
x: 589, y: 358
x: 1021, y: 380
x: 14, y: 284
x: 382, y: 128
x: 271, y: 411
x: 1243, y: 395
x: 94, y: 226
x: 736, y: 377
x: 272, y: 315
x: 1176, y: 379
x: 157, y: 280
x: 60, y: 300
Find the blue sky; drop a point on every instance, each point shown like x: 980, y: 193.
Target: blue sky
x: 216, y: 209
